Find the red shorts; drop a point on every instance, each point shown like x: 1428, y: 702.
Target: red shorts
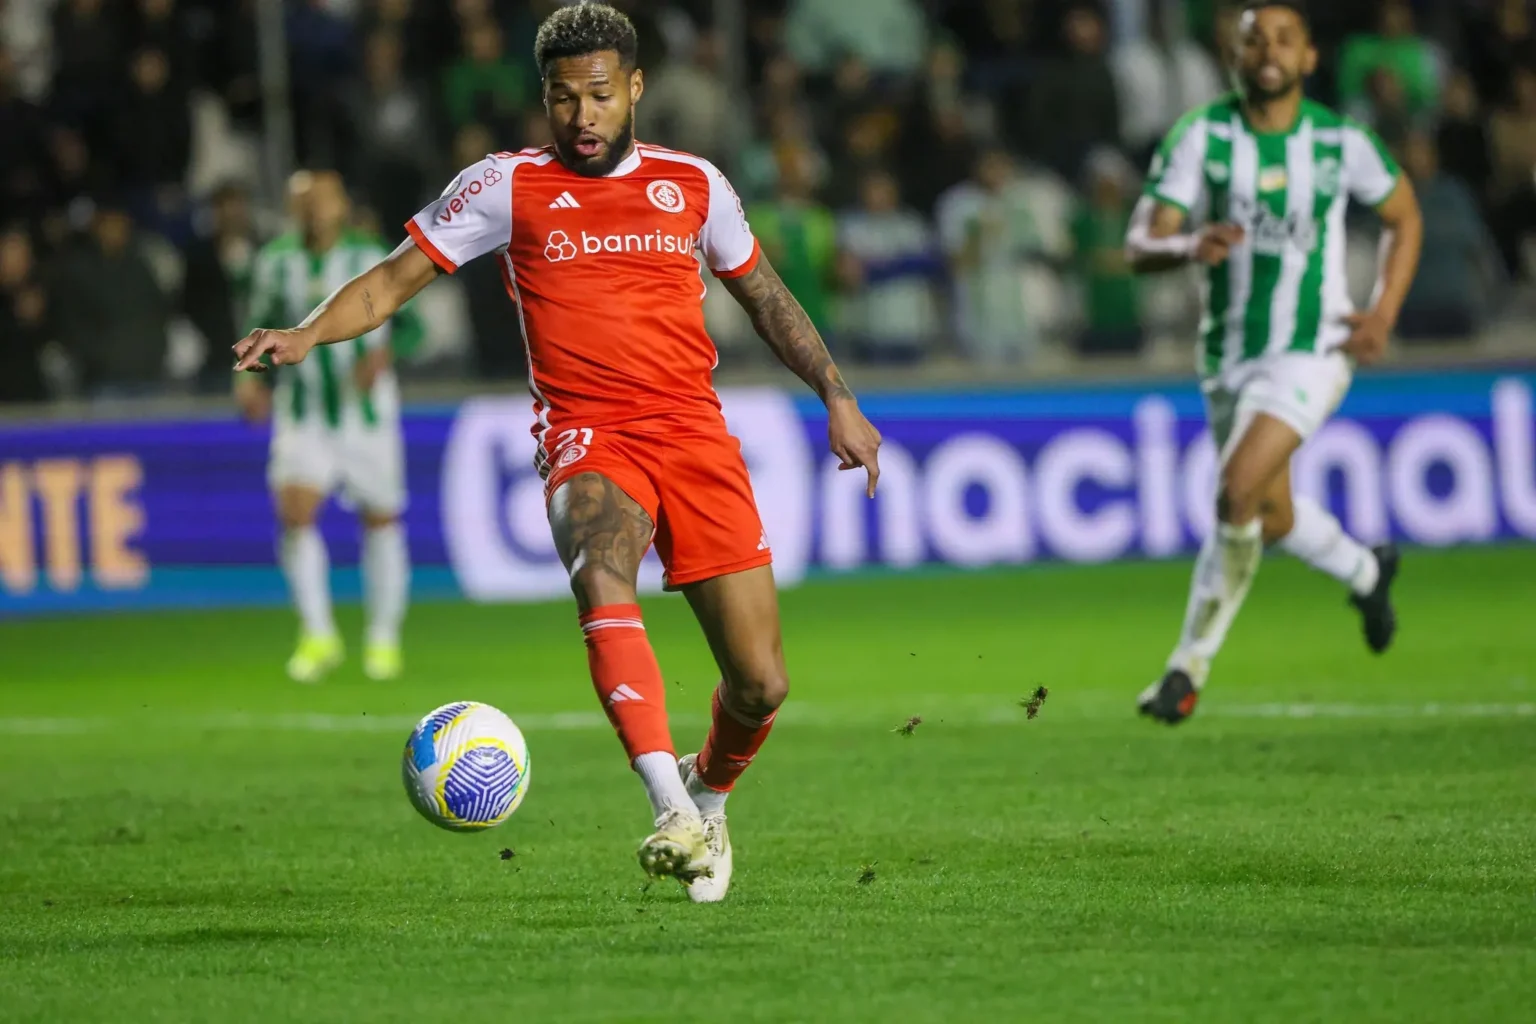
x: 691, y: 480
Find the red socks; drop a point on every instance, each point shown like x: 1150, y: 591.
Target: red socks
x: 627, y: 679
x: 730, y: 747
x: 629, y: 684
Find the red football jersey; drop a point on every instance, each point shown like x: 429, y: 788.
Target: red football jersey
x: 604, y: 274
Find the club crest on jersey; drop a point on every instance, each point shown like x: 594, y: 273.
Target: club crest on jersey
x: 574, y: 453
x: 666, y: 196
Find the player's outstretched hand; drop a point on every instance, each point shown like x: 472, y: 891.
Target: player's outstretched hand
x: 284, y: 347
x: 1215, y: 242
x: 854, y: 439
x: 1368, y: 336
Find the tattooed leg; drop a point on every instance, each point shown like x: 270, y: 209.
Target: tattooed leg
x: 601, y: 534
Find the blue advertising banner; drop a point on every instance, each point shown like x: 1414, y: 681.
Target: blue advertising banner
x: 176, y: 513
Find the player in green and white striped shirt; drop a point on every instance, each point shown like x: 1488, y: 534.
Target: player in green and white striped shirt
x: 1254, y: 188
x: 335, y: 427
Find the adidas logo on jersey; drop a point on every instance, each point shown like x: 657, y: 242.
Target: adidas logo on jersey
x: 623, y: 692
x: 565, y: 201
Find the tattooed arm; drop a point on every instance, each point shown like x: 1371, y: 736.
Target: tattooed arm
x: 357, y: 307
x: 781, y: 322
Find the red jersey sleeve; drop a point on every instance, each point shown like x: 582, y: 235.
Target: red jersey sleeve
x: 472, y: 217
x: 729, y: 247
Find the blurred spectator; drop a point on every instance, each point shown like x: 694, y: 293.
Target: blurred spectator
x: 394, y: 155
x: 865, y: 147
x: 1110, y: 291
x: 218, y: 279
x: 107, y: 308
x: 934, y: 148
x: 1158, y: 77
x: 889, y: 263
x: 1512, y: 131
x: 484, y: 85
x: 988, y: 233
x: 26, y: 31
x: 232, y: 67
x: 787, y: 131
x: 799, y: 237
x: 1072, y: 106
x: 161, y: 25
x: 87, y: 60
x: 887, y: 35
x: 23, y: 168
x: 23, y: 311
x: 322, y: 59
x: 498, y: 339
x: 1462, y: 137
x: 688, y: 105
x: 1396, y: 51
x: 1500, y: 37
x: 1451, y: 294
x: 74, y: 177
x: 154, y: 126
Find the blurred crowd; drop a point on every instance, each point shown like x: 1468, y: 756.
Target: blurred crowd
x: 929, y: 176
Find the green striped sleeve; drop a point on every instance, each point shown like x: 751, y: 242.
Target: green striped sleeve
x: 1176, y: 176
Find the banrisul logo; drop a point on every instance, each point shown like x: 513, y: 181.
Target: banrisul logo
x: 655, y: 241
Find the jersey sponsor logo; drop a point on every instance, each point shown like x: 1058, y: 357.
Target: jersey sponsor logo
x: 462, y: 196
x: 1273, y: 179
x: 1269, y: 233
x: 559, y: 247
x: 666, y: 196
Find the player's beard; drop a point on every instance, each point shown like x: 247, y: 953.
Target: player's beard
x: 599, y: 166
x: 1255, y: 92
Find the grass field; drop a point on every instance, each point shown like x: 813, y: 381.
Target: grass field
x: 186, y: 836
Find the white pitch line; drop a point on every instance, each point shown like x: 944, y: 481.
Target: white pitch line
x: 806, y: 714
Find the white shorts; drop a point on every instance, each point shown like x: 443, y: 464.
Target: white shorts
x: 366, y: 466
x: 1300, y: 389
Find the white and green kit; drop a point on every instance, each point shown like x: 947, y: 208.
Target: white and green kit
x: 1273, y: 311
x: 327, y: 432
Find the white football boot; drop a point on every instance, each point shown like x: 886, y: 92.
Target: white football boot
x: 711, y: 887
x: 677, y: 848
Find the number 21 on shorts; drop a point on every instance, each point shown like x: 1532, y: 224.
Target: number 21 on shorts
x: 567, y: 449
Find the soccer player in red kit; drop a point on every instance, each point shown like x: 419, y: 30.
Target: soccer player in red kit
x: 597, y: 239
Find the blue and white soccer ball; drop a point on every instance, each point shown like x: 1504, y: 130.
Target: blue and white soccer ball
x: 466, y: 767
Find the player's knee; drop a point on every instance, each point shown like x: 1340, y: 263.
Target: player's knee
x: 1238, y: 499
x: 757, y: 689
x: 596, y: 584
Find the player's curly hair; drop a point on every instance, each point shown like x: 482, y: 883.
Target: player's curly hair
x: 585, y: 28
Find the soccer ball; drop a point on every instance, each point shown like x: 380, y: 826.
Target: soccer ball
x: 466, y: 767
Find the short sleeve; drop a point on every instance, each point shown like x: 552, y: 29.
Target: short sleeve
x: 730, y: 249
x: 1177, y: 174
x: 472, y: 217
x: 1368, y: 168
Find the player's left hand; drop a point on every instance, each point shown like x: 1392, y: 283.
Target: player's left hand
x: 854, y: 439
x: 284, y: 348
x: 1368, y: 336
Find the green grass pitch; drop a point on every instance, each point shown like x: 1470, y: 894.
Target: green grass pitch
x: 184, y: 835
